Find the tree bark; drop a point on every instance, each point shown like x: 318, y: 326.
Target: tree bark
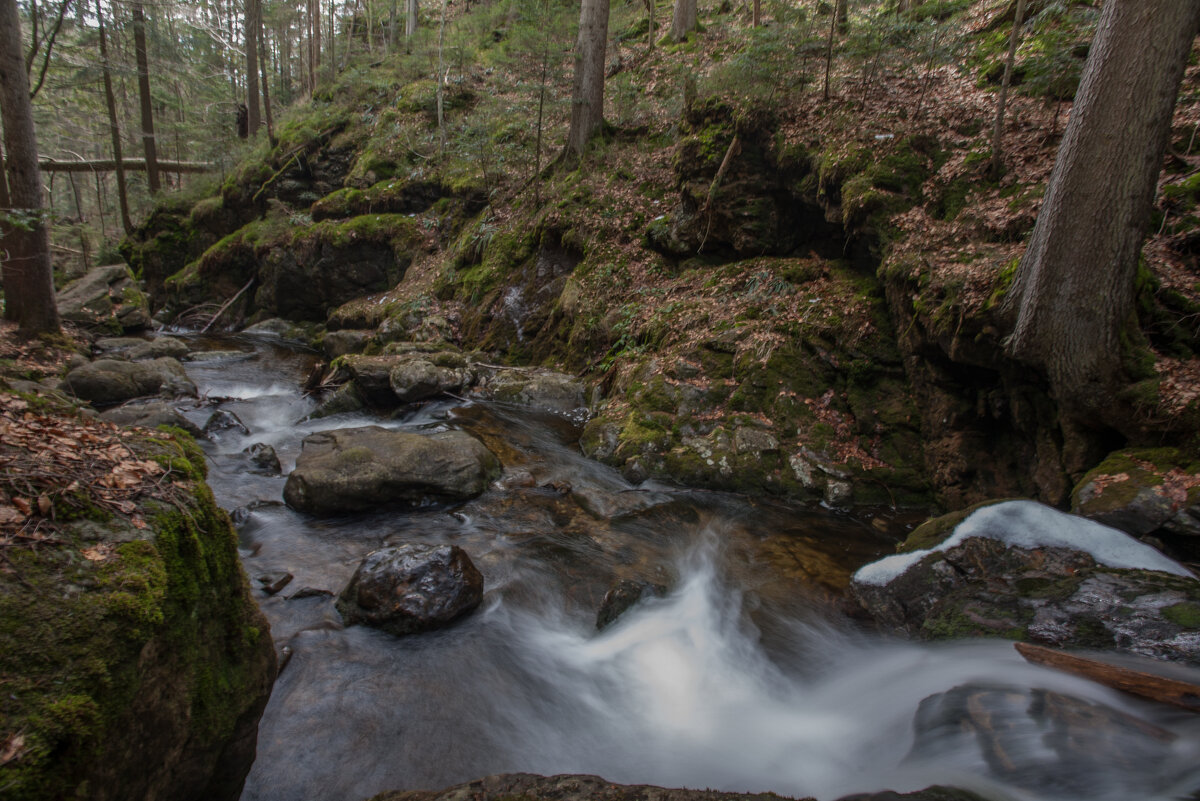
x: 28, y: 280
x: 144, y: 98
x: 841, y: 10
x: 1072, y: 294
x: 1014, y: 40
x: 265, y: 72
x: 114, y: 128
x: 410, y: 23
x: 587, y: 96
x: 683, y: 19
x: 250, y: 31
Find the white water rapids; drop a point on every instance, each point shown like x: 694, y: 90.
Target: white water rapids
x: 726, y: 682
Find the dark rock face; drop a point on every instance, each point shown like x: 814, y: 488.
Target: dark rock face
x: 412, y: 588
x: 303, y: 283
x: 106, y: 299
x: 1027, y: 736
x: 223, y: 420
x: 355, y: 469
x: 263, y: 457
x: 108, y: 381
x: 1056, y: 596
x: 593, y: 788
x: 621, y: 597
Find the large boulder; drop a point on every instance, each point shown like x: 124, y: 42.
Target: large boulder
x: 417, y: 378
x: 150, y: 415
x: 412, y: 588
x: 135, y: 662
x: 107, y: 381
x: 1025, y: 571
x: 105, y: 299
x: 136, y: 349
x: 538, y: 389
x: 356, y: 469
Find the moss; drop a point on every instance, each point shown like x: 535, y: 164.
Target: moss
x: 1186, y: 614
x: 933, y: 532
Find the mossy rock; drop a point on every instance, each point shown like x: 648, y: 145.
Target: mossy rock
x: 1141, y: 491
x: 135, y: 662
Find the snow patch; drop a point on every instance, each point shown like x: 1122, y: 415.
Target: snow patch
x: 1028, y: 524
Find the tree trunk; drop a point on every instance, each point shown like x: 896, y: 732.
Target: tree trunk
x: 842, y: 12
x: 410, y: 23
x: 587, y: 96
x: 1014, y: 41
x: 756, y: 14
x: 265, y: 72
x: 114, y: 128
x: 1073, y: 291
x: 250, y: 31
x: 683, y: 19
x: 28, y: 281
x: 144, y: 98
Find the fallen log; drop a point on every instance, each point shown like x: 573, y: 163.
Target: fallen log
x: 135, y: 165
x: 1182, y: 694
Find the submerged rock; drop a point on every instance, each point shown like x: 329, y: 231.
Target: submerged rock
x: 412, y: 588
x: 108, y: 381
x: 1047, y: 742
x: 223, y: 420
x: 355, y: 469
x: 1024, y: 571
x: 622, y: 597
x: 263, y: 457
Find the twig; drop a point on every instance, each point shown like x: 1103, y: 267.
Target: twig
x: 227, y: 304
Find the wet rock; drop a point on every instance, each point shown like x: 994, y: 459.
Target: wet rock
x: 343, y: 400
x: 417, y: 379
x: 1060, y: 596
x: 263, y: 457
x: 211, y: 356
x: 371, y: 376
x: 310, y: 592
x: 538, y: 389
x: 354, y: 469
x: 1047, y: 742
x: 222, y: 421
x: 283, y: 329
x: 105, y: 299
x: 339, y: 343
x: 593, y: 788
x: 150, y: 415
x: 274, y: 582
x: 136, y: 349
x: 412, y: 588
x: 108, y: 381
x: 621, y: 597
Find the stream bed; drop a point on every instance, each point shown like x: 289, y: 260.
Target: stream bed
x: 744, y: 676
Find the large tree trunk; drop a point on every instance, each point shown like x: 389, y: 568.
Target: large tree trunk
x: 254, y: 115
x: 683, y: 19
x: 587, y: 97
x: 410, y: 23
x: 28, y: 281
x: 111, y: 101
x: 1073, y: 291
x: 143, y: 68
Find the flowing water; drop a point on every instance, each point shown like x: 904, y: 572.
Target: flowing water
x: 744, y: 676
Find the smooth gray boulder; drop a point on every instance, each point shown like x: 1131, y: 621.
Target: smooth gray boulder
x: 412, y: 588
x: 110, y: 381
x: 418, y: 379
x: 538, y: 389
x: 150, y: 415
x: 357, y: 469
x: 136, y: 349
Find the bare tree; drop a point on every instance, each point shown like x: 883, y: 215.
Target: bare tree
x: 111, y: 101
x: 28, y: 282
x: 587, y: 97
x: 1073, y: 291
x: 1014, y: 41
x: 147, y: 108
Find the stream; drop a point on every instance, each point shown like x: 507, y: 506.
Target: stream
x: 744, y: 676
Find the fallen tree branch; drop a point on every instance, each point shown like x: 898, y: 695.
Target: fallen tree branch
x: 135, y: 165
x: 1182, y: 694
x: 227, y: 304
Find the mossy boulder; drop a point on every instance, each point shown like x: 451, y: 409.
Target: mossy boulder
x: 135, y: 662
x: 106, y: 300
x: 1141, y: 491
x: 108, y: 381
x: 357, y: 469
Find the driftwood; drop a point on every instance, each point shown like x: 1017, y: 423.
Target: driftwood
x: 134, y: 165
x: 1182, y: 694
